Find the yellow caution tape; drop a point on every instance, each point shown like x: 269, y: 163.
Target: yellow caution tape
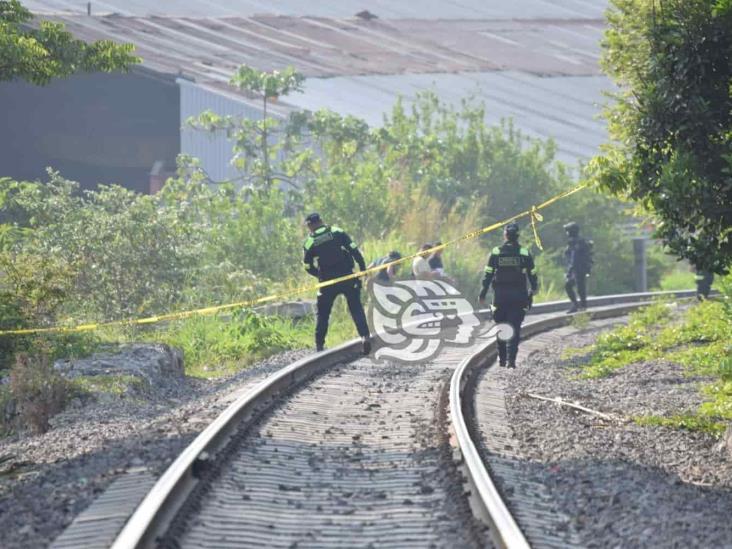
x: 532, y: 213
x: 536, y: 216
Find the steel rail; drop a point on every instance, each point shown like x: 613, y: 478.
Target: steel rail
x: 486, y: 501
x: 159, y: 507
x: 152, y: 517
x: 606, y: 300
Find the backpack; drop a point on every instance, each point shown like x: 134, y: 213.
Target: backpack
x: 585, y: 250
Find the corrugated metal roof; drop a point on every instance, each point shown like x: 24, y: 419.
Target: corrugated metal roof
x: 385, y: 9
x: 210, y: 49
x: 562, y: 108
x: 535, y: 61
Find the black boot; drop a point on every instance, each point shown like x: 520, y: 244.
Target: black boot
x: 366, y: 345
x: 502, y: 353
x: 573, y: 308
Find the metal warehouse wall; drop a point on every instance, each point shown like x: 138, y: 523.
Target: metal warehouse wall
x: 96, y: 128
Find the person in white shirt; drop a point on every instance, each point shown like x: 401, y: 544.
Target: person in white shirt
x: 421, y: 269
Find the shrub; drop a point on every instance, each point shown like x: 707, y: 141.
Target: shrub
x: 39, y: 391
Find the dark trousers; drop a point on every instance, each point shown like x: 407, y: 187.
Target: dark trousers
x: 351, y: 289
x: 704, y: 283
x: 579, y: 280
x: 513, y: 314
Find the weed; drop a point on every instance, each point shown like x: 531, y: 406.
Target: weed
x: 220, y: 345
x: 720, y: 403
x: 724, y: 369
x: 710, y: 359
x: 690, y: 422
x: 38, y: 390
x: 700, y: 342
x: 626, y: 344
x: 580, y: 321
x: 657, y: 314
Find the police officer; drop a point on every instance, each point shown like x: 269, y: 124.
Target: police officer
x: 510, y: 270
x: 330, y: 253
x: 578, y: 257
x: 704, y: 280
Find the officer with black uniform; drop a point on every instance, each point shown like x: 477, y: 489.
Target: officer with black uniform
x: 330, y: 253
x: 578, y: 257
x: 510, y: 270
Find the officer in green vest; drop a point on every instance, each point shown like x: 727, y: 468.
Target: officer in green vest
x: 510, y: 271
x: 330, y: 253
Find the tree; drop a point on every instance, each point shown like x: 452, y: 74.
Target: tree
x: 254, y: 148
x: 270, y: 85
x: 672, y: 121
x: 39, y: 54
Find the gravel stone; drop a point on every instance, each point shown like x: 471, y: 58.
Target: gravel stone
x: 358, y: 455
x: 622, y: 484
x: 46, y: 480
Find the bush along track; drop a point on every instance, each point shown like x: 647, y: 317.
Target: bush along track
x: 698, y: 338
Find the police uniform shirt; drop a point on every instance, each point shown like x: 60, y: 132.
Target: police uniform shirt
x: 509, y: 268
x: 329, y: 253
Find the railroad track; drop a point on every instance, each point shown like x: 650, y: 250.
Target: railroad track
x: 337, y: 450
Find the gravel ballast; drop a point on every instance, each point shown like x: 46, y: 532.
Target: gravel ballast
x: 621, y: 484
x: 46, y: 480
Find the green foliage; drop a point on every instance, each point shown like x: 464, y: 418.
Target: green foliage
x: 109, y: 252
x: 256, y: 151
x: 719, y: 404
x: 112, y: 253
x: 701, y: 342
x: 49, y: 51
x: 627, y: 344
x: 269, y: 85
x: 428, y: 170
x: 689, y: 422
x: 677, y: 280
x: 432, y: 172
x: 672, y: 121
x: 218, y: 345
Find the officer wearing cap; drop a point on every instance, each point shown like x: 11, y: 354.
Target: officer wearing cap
x: 330, y: 253
x: 578, y: 256
x: 510, y: 271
